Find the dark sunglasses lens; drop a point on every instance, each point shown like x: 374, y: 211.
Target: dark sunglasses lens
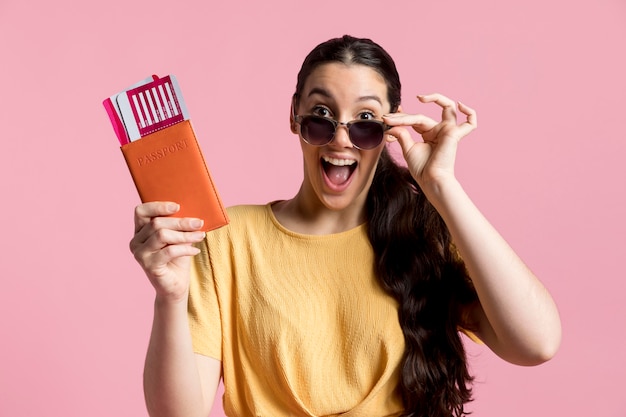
x: 317, y: 130
x: 366, y: 135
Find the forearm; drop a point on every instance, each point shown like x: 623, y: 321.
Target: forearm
x: 518, y: 318
x: 172, y: 383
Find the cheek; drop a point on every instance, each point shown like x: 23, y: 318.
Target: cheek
x: 309, y: 156
x: 370, y: 161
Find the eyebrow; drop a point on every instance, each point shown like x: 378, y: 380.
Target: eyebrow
x: 325, y: 93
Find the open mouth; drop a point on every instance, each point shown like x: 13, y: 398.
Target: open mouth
x: 338, y: 171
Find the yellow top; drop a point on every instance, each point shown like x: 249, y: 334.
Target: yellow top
x: 300, y: 323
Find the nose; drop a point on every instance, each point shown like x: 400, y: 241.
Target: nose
x: 342, y: 136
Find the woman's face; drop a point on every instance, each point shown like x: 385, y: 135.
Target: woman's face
x: 338, y: 175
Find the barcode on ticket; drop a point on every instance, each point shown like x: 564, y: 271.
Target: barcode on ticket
x: 155, y: 105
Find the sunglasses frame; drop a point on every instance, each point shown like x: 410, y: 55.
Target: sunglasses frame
x: 299, y: 118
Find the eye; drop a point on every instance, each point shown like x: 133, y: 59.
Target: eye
x: 366, y: 115
x: 321, y: 111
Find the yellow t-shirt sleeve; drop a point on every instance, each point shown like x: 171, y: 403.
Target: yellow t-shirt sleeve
x: 204, y: 311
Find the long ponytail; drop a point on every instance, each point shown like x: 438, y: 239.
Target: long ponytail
x: 416, y: 263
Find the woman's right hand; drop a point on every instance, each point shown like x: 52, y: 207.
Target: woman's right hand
x: 163, y: 246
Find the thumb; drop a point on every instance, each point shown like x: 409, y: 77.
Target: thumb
x: 403, y: 137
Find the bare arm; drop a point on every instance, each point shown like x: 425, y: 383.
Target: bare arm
x: 516, y: 317
x: 177, y: 382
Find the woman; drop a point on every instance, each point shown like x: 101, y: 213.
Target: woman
x: 348, y: 298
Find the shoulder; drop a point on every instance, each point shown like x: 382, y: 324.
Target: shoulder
x: 243, y: 220
x: 248, y: 211
x: 249, y: 216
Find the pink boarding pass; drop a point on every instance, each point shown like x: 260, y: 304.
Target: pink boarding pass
x: 151, y: 106
x: 113, y: 111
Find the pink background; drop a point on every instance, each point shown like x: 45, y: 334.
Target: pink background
x: 546, y: 165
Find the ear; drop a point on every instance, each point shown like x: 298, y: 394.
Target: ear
x: 292, y: 121
x: 399, y: 109
x: 293, y: 124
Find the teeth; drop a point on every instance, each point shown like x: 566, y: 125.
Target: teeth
x: 338, y: 162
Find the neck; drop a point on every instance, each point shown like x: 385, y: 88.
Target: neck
x: 305, y: 216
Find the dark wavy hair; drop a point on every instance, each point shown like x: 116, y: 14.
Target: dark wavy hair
x: 415, y: 259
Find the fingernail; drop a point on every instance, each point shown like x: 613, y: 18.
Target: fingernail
x: 172, y: 207
x: 197, y: 223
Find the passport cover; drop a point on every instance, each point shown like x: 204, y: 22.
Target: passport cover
x: 168, y: 165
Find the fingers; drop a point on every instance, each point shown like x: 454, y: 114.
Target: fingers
x: 448, y: 113
x: 184, y: 224
x: 418, y: 122
x: 158, y: 234
x: 145, y: 212
x: 404, y: 139
x: 157, y: 245
x: 472, y: 119
x: 153, y: 232
x: 154, y: 212
x: 422, y: 123
x: 152, y: 261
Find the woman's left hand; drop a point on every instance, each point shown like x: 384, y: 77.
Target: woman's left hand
x: 433, y: 159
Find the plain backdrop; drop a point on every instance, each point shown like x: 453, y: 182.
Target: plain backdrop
x: 546, y: 165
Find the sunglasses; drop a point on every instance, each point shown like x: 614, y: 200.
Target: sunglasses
x: 320, y: 131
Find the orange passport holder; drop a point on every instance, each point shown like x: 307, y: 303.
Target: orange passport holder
x: 168, y: 165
